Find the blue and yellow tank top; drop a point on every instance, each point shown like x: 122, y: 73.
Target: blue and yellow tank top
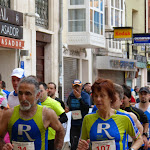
x: 28, y: 130
x: 115, y: 128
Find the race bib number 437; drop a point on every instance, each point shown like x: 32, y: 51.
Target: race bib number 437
x: 23, y: 145
x: 104, y: 145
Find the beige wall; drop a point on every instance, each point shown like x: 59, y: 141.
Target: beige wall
x: 65, y: 20
x: 139, y: 7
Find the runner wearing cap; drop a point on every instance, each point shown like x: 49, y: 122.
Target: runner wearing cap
x: 78, y: 102
x: 145, y: 106
x: 16, y: 76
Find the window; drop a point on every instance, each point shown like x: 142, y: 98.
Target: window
x: 106, y: 16
x: 76, y: 18
x: 76, y: 2
x: 122, y: 4
x: 113, y: 44
x: 96, y: 3
x: 91, y: 3
x: 91, y: 20
x: 96, y: 17
x: 110, y: 40
x: 117, y: 3
x: 112, y: 16
x: 116, y: 18
x: 116, y: 44
x: 112, y: 3
x: 41, y: 8
x: 102, y: 24
x: 5, y: 3
x: 101, y: 5
x: 119, y: 44
x: 121, y: 19
x: 117, y: 13
x: 96, y: 22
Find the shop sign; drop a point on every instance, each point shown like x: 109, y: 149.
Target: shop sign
x: 140, y: 58
x: 122, y: 64
x: 11, y: 43
x: 148, y: 66
x: 12, y: 31
x: 122, y: 33
x: 141, y: 65
x: 141, y: 39
x: 22, y: 64
x: 10, y: 16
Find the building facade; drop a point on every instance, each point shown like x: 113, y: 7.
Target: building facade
x: 136, y: 18
x: 39, y: 55
x: 83, y: 32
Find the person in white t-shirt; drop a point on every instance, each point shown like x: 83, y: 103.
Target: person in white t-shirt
x: 16, y: 76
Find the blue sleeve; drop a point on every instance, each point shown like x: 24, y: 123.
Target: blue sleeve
x: 86, y: 99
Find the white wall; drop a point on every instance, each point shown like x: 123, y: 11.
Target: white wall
x: 7, y: 64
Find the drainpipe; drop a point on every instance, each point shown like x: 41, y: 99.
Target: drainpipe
x: 60, y: 57
x: 145, y: 22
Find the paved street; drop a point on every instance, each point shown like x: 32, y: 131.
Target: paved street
x: 66, y: 146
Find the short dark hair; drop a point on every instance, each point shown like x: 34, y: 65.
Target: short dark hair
x: 30, y: 80
x: 53, y: 84
x: 3, y: 84
x: 86, y: 84
x: 44, y: 85
x: 119, y: 90
x: 106, y: 84
x: 127, y: 91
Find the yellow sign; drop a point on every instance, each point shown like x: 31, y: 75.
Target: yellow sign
x: 148, y: 66
x: 123, y: 33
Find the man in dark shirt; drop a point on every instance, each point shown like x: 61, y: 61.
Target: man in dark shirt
x: 51, y: 92
x: 138, y: 112
x: 78, y: 102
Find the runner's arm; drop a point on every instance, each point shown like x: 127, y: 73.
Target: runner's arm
x: 53, y: 122
x: 3, y: 128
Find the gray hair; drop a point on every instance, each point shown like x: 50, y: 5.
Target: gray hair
x: 30, y: 80
x: 119, y: 90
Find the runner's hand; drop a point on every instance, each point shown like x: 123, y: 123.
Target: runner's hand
x: 76, y: 93
x: 83, y: 145
x: 8, y: 146
x: 145, y: 142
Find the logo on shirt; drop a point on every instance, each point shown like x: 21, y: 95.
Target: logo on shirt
x: 104, y: 127
x: 25, y: 129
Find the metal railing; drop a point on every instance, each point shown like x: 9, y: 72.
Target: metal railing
x: 41, y: 8
x: 5, y: 3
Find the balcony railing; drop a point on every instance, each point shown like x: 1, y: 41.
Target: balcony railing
x: 5, y: 3
x: 41, y: 8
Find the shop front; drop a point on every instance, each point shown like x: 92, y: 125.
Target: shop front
x: 119, y: 70
x: 141, y: 73
x: 11, y: 43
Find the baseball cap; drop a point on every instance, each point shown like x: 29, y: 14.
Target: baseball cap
x: 3, y: 101
x: 144, y: 89
x: 77, y: 82
x: 18, y: 72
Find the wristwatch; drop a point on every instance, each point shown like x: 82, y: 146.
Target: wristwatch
x: 131, y: 148
x: 144, y: 133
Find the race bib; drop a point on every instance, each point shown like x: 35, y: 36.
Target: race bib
x: 76, y: 114
x: 104, y: 145
x: 23, y: 145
